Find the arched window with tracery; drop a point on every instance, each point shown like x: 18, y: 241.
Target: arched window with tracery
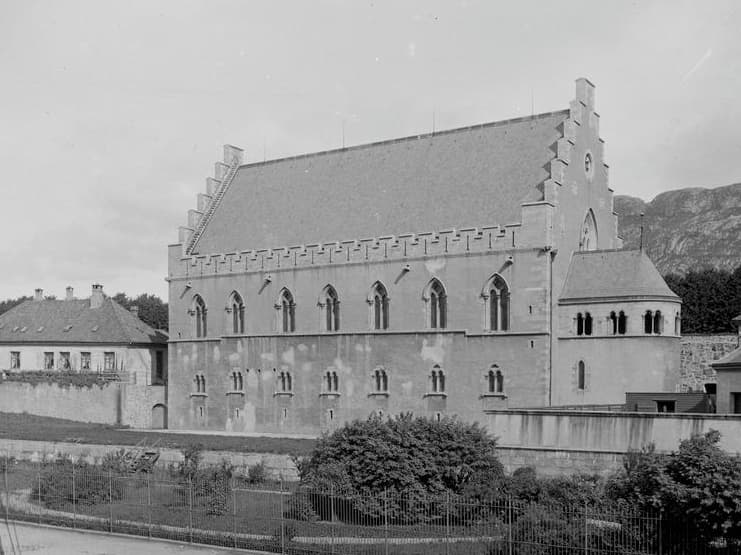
x: 380, y: 381
x: 331, y: 382
x: 588, y: 239
x: 495, y: 380
x: 287, y: 311
x: 496, y: 295
x: 379, y: 305
x: 437, y: 304
x: 200, y: 383
x: 437, y: 380
x: 236, y: 308
x: 199, y: 312
x: 329, y: 305
x: 285, y: 382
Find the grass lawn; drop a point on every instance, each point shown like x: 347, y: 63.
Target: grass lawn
x: 42, y: 428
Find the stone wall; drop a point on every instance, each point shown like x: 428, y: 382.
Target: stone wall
x: 114, y: 403
x: 697, y: 352
x: 99, y: 404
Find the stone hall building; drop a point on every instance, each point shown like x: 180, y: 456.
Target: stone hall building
x: 446, y: 273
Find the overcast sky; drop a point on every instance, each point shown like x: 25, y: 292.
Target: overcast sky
x: 113, y: 113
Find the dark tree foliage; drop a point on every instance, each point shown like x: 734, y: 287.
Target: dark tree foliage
x: 11, y: 303
x: 152, y: 310
x: 710, y: 299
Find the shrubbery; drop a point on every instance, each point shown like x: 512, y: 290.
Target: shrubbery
x: 91, y: 485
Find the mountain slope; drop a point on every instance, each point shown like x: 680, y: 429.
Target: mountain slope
x: 686, y: 228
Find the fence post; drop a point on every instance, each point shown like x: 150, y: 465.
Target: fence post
x: 149, y: 504
x: 74, y: 498
x: 447, y: 523
x: 386, y: 522
x: 282, y: 521
x: 38, y: 475
x: 7, y: 490
x: 509, y: 525
x: 110, y: 501
x: 661, y: 540
x: 586, y: 530
x: 234, y: 512
x: 190, y: 509
x: 331, y: 517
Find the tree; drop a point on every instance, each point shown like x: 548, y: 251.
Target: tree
x: 697, y: 488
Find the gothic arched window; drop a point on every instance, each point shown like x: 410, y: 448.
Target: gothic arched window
x: 581, y: 376
x: 199, y: 312
x: 437, y: 380
x: 379, y: 304
x: 380, y: 381
x: 658, y: 322
x: 648, y: 322
x: 579, y: 323
x: 587, y: 323
x: 497, y: 296
x: 329, y: 304
x: 236, y: 307
x: 622, y: 323
x: 588, y: 239
x: 287, y: 309
x: 437, y: 304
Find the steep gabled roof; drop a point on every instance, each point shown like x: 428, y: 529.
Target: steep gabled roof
x: 466, y: 177
x: 74, y: 321
x: 613, y: 274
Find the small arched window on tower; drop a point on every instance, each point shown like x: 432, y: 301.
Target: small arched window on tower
x: 285, y: 382
x: 622, y: 324
x: 437, y: 380
x: 587, y: 323
x: 579, y: 323
x: 581, y: 376
x: 612, y: 323
x: 658, y: 322
x: 648, y: 322
x: 497, y: 296
x: 678, y: 324
x: 379, y: 305
x: 287, y: 310
x: 437, y: 303
x: 199, y: 312
x: 380, y: 381
x: 236, y: 307
x: 329, y: 305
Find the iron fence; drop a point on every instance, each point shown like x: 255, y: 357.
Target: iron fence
x: 275, y: 518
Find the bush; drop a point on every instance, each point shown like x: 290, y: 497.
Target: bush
x: 403, y: 465
x: 257, y: 473
x: 91, y: 485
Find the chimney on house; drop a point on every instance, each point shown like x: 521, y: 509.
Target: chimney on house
x: 38, y: 294
x: 135, y: 310
x: 70, y: 293
x: 96, y: 299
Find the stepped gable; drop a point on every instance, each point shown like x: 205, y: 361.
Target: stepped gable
x: 613, y: 274
x: 45, y: 321
x: 449, y: 179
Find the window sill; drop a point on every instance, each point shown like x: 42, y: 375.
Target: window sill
x: 199, y: 394
x: 492, y: 395
x: 283, y: 394
x: 441, y: 394
x: 329, y: 394
x: 378, y: 394
x: 235, y: 392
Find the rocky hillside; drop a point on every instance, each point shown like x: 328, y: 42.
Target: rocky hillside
x: 686, y: 228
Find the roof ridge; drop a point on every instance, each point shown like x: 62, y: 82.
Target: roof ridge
x: 406, y: 138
